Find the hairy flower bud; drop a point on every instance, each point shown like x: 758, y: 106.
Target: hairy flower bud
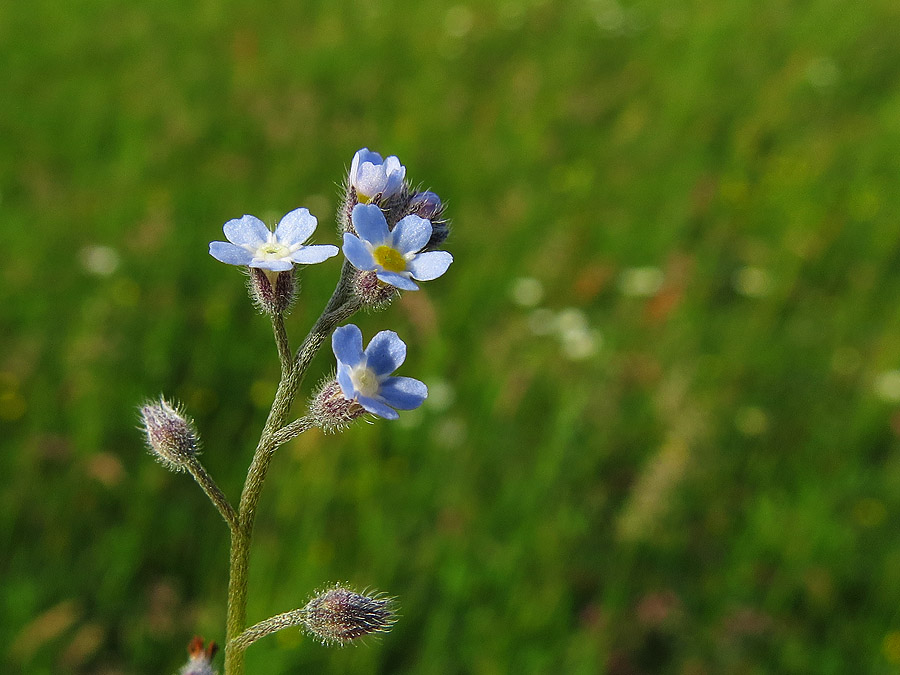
x: 374, y: 293
x: 200, y: 658
x: 426, y: 205
x: 429, y: 206
x: 272, y: 292
x: 330, y: 410
x: 170, y: 434
x: 339, y: 616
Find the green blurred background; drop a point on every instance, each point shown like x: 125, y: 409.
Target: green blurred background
x: 663, y: 431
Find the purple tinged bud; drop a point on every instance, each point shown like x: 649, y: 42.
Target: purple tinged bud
x: 339, y: 616
x: 170, y: 434
x: 331, y: 411
x: 200, y: 658
x: 273, y: 293
x: 426, y: 205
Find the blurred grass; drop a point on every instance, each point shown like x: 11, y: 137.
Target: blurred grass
x: 712, y: 188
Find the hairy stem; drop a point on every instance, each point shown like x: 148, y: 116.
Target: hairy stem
x: 282, y: 343
x: 216, y: 496
x: 340, y: 307
x: 271, y: 625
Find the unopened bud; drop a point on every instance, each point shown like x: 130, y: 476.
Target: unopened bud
x: 339, y: 616
x: 200, y: 658
x: 429, y: 206
x: 426, y: 205
x: 374, y: 293
x: 170, y: 434
x: 331, y: 411
x: 272, y: 292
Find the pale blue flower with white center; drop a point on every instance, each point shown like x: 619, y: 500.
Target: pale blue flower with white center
x: 396, y: 255
x: 371, y: 176
x: 253, y: 244
x: 365, y: 375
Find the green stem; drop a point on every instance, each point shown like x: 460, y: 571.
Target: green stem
x: 341, y: 306
x: 216, y: 496
x: 271, y: 625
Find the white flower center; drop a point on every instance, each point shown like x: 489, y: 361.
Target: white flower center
x: 365, y: 380
x: 272, y: 250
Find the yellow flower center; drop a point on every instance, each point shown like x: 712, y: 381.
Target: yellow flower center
x: 390, y: 259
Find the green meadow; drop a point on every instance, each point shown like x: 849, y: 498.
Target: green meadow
x: 664, y: 429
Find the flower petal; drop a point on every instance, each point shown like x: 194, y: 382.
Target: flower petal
x: 403, y: 393
x: 280, y: 265
x: 429, y: 265
x: 398, y: 280
x: 229, y: 253
x: 362, y: 155
x: 358, y: 253
x: 346, y: 382
x: 370, y: 179
x: 411, y: 234
x: 246, y: 231
x: 376, y: 407
x: 296, y: 227
x: 309, y: 255
x: 369, y: 222
x: 395, y: 173
x: 346, y: 343
x: 386, y: 352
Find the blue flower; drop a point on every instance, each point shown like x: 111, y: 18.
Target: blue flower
x: 253, y: 244
x: 396, y: 255
x: 365, y: 376
x: 373, y: 176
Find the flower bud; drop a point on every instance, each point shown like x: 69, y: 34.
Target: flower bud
x: 376, y: 180
x: 200, y: 659
x: 331, y: 411
x: 272, y: 292
x: 339, y: 616
x: 170, y: 435
x: 374, y: 293
x: 428, y: 205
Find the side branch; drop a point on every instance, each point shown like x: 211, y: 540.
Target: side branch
x: 216, y: 496
x: 292, y: 430
x: 271, y: 625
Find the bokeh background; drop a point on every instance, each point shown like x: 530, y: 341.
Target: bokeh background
x: 663, y: 431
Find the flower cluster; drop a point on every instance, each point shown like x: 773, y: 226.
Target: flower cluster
x: 390, y: 235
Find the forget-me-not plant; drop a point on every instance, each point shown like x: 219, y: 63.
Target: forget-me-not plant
x: 389, y: 236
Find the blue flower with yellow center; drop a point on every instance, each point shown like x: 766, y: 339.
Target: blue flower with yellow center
x: 365, y: 375
x: 396, y: 255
